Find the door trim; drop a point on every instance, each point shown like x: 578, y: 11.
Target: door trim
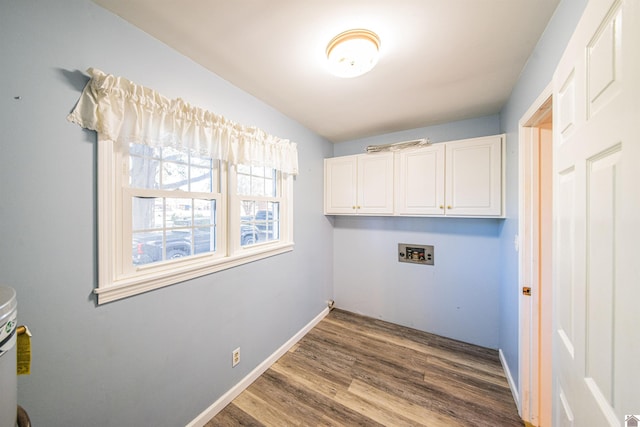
x: 529, y: 265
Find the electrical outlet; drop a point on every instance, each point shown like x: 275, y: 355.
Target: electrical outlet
x: 235, y: 359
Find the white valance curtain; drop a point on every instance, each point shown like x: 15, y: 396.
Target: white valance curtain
x: 124, y: 112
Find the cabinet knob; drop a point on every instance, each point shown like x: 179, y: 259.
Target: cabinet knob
x: 353, y: 207
x: 449, y: 207
x: 441, y: 206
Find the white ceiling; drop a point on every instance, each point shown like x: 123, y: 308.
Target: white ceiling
x: 441, y: 60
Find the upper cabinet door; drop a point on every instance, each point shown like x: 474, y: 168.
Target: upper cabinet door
x: 375, y: 184
x: 420, y: 181
x: 474, y: 177
x: 340, y: 178
x: 360, y: 184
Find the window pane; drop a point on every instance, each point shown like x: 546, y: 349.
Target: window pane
x: 248, y: 233
x: 244, y: 185
x: 190, y: 229
x: 256, y: 181
x: 257, y: 186
x: 175, y: 176
x: 147, y: 247
x: 171, y: 169
x: 147, y: 213
x: 144, y: 167
x: 268, y: 221
x: 178, y: 210
x: 270, y: 183
x: 249, y: 208
x: 270, y: 187
x: 201, y: 179
x: 179, y: 243
x: 205, y: 212
x: 204, y: 239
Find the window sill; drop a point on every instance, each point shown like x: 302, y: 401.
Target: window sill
x: 181, y: 271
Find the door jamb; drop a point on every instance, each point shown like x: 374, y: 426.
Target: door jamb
x: 529, y: 337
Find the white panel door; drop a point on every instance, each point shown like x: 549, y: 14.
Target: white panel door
x: 597, y: 219
x: 474, y: 177
x: 420, y: 181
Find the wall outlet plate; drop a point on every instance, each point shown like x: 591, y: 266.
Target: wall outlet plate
x: 235, y: 358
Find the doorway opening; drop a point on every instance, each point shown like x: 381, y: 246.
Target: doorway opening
x: 535, y: 263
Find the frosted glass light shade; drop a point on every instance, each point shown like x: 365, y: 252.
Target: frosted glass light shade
x: 353, y: 53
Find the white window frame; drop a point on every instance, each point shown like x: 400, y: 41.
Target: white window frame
x: 118, y: 278
x: 281, y: 197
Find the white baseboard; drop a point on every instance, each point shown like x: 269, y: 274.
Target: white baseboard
x: 507, y: 373
x: 226, y: 398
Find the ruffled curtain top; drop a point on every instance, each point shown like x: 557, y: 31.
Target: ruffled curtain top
x: 124, y: 112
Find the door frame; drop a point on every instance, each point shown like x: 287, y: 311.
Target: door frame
x: 535, y: 333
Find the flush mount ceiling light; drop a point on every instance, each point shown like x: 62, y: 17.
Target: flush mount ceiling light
x: 353, y: 53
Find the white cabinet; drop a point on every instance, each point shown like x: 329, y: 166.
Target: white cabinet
x: 359, y: 185
x: 340, y: 188
x: 458, y: 178
x: 474, y: 177
x: 419, y: 183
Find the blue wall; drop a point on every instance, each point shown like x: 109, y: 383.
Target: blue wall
x: 160, y: 358
x: 535, y: 77
x: 458, y: 297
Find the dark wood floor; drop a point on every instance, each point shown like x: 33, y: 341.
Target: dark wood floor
x: 352, y: 370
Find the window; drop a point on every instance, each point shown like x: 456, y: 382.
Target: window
x: 174, y: 215
x: 173, y: 203
x: 260, y: 199
x: 182, y: 192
